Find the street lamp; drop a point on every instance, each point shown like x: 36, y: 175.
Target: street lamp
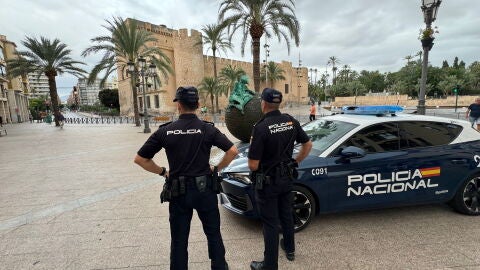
x: 75, y: 97
x: 143, y: 72
x: 267, y: 54
x: 430, y: 9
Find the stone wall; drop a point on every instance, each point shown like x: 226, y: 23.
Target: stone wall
x: 191, y: 66
x: 403, y: 100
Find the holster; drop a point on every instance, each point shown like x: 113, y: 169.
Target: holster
x: 216, y: 181
x: 291, y: 167
x: 166, y: 194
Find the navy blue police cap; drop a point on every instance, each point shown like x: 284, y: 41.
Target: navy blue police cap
x: 188, y: 94
x: 271, y: 95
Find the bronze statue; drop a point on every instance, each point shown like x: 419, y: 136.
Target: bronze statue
x: 243, y: 110
x: 240, y: 94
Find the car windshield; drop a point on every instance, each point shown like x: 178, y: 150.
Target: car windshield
x: 324, y: 133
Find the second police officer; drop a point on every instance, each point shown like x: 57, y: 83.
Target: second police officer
x: 189, y: 182
x: 270, y: 160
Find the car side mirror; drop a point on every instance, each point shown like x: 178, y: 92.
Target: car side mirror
x: 352, y: 152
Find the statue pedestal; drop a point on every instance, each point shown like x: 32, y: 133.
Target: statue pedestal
x: 241, y: 125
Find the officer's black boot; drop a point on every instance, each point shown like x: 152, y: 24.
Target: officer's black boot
x: 254, y: 265
x: 290, y: 255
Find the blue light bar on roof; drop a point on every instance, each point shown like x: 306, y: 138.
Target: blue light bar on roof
x: 372, y: 109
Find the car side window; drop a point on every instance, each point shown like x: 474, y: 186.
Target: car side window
x: 426, y: 133
x: 377, y: 138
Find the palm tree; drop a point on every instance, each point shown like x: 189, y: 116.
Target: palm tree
x: 273, y: 73
x: 44, y: 56
x: 408, y: 58
x: 332, y: 60
x: 213, y: 36
x: 257, y: 17
x: 229, y: 75
x: 209, y: 86
x: 125, y: 43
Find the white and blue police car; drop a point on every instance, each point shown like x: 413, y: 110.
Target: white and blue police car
x: 374, y: 157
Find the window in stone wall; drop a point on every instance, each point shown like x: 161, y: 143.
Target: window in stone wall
x: 286, y: 88
x: 147, y: 98
x: 157, y: 101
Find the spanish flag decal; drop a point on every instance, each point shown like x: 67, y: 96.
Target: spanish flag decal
x: 429, y: 172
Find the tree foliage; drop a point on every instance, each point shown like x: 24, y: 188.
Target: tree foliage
x: 45, y: 56
x: 126, y: 42
x: 109, y: 98
x: 254, y: 18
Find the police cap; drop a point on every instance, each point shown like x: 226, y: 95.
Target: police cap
x: 271, y: 95
x: 187, y: 94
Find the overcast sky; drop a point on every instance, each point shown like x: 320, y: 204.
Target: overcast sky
x: 364, y: 34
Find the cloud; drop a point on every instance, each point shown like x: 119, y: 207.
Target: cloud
x: 365, y: 34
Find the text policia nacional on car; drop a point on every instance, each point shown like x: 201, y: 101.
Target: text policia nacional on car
x: 401, y: 181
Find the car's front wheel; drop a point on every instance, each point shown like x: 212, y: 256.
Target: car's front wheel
x: 467, y: 198
x: 304, y: 207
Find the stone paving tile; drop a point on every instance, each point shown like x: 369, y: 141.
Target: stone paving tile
x: 129, y: 227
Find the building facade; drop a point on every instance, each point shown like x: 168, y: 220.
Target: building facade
x: 13, y: 91
x: 190, y: 66
x: 88, y: 94
x: 38, y: 85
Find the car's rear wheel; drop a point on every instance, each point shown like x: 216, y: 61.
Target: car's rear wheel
x: 304, y: 207
x: 467, y: 198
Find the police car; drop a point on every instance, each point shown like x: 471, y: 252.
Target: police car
x: 374, y: 159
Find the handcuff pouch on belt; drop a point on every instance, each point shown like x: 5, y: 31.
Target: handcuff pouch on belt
x: 172, y: 188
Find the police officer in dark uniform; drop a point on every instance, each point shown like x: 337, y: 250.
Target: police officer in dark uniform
x: 273, y: 171
x: 187, y: 143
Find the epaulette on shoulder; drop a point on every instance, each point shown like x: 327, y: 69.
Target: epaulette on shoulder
x: 210, y: 123
x: 165, y: 124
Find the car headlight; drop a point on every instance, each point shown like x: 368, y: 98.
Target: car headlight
x: 241, y: 177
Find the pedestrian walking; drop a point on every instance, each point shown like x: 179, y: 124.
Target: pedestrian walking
x: 313, y: 111
x: 473, y: 113
x: 61, y: 119
x: 190, y: 183
x: 273, y: 171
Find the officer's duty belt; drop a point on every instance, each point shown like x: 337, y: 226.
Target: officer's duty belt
x: 180, y: 183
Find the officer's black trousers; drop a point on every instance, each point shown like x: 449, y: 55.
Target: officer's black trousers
x: 311, y: 117
x: 181, y: 210
x: 274, y: 203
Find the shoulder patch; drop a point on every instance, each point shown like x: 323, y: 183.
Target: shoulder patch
x: 165, y: 124
x: 210, y: 123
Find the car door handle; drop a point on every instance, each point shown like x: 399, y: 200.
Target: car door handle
x: 459, y: 161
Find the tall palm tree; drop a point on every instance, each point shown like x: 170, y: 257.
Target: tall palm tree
x: 209, y: 86
x: 333, y: 61
x: 230, y: 75
x: 273, y: 73
x: 125, y: 43
x: 44, y: 56
x: 213, y: 36
x: 346, y: 71
x: 257, y: 17
x: 408, y: 58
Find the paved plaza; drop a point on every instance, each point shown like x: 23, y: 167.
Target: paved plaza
x: 72, y: 198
